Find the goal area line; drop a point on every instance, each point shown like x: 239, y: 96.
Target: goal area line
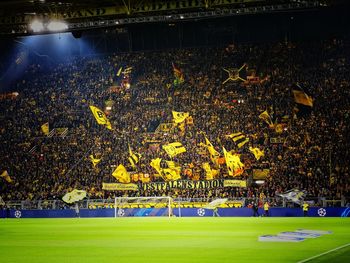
x: 324, y: 253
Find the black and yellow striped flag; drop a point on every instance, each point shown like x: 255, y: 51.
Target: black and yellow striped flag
x: 239, y: 139
x: 133, y: 158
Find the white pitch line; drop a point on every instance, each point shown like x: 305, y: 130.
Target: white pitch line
x: 324, y: 253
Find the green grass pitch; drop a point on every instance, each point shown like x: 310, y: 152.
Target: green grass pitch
x: 160, y: 239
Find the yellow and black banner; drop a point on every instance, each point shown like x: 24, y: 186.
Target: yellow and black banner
x: 119, y: 187
x: 188, y: 184
x: 180, y: 184
x: 235, y: 183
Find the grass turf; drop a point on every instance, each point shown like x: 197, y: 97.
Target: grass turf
x: 160, y: 239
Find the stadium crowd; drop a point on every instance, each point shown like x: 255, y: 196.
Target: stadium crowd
x: 312, y: 153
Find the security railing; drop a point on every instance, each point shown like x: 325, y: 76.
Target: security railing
x: 109, y: 203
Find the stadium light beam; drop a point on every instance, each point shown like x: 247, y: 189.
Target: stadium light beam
x: 36, y: 26
x: 57, y: 26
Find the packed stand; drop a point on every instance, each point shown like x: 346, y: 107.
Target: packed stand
x: 313, y: 156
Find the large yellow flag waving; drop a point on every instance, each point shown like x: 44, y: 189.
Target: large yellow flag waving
x: 214, y: 155
x: 155, y: 163
x: 74, y: 196
x: 173, y: 165
x: 171, y: 174
x: 121, y: 174
x: 100, y: 117
x: 257, y: 152
x: 234, y: 165
x: 180, y: 116
x: 174, y: 148
x: 209, y: 173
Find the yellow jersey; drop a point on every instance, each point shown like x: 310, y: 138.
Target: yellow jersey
x: 305, y: 207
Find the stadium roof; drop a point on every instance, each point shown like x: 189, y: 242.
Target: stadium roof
x: 16, y: 15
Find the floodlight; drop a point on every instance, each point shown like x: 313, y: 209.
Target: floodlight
x: 57, y: 26
x: 37, y: 26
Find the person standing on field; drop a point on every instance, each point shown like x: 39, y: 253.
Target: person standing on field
x: 266, y: 208
x: 215, y: 212
x: 255, y: 209
x: 77, y: 212
x: 305, y: 208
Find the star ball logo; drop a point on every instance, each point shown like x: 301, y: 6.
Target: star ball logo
x: 18, y: 214
x: 321, y: 212
x: 201, y: 212
x: 121, y: 212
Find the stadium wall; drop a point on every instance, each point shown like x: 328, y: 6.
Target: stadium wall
x: 185, y: 212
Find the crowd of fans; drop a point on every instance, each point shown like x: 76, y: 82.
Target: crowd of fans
x: 313, y: 153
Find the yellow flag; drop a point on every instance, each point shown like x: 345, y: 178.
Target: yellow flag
x: 214, y: 155
x: 241, y: 144
x: 6, y: 176
x: 45, y: 128
x: 74, y: 196
x: 94, y: 161
x: 155, y: 163
x: 182, y: 126
x: 210, y: 174
x: 236, y: 136
x: 257, y: 152
x: 239, y: 139
x: 174, y: 148
x: 234, y: 165
x: 172, y: 165
x: 127, y: 71
x: 119, y: 71
x: 171, y: 174
x: 180, y: 116
x: 121, y: 174
x: 302, y: 98
x: 133, y: 158
x: 100, y: 117
x: 266, y: 117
